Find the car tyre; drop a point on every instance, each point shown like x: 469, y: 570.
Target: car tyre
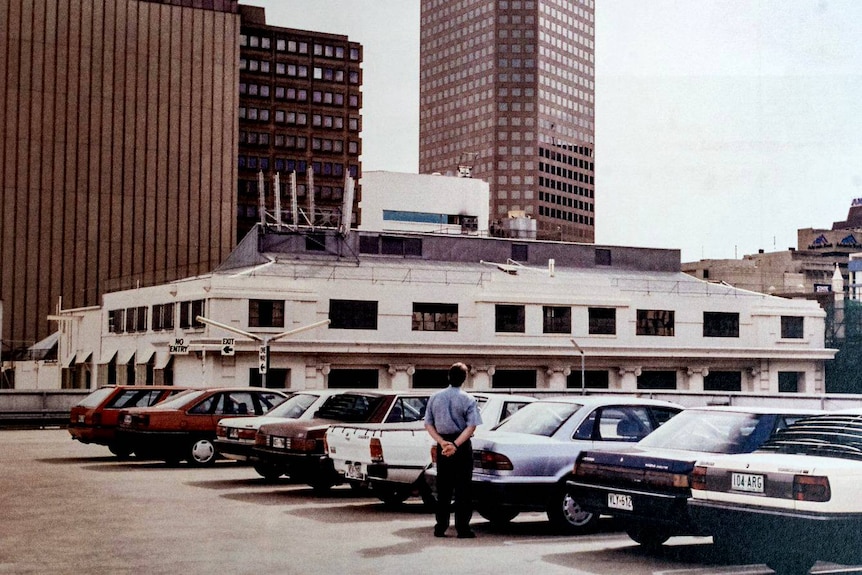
x: 121, y: 450
x: 498, y: 515
x: 391, y: 495
x: 649, y: 538
x: 566, y: 514
x: 202, y: 452
x: 269, y: 471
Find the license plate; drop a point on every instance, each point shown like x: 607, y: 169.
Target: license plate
x: 233, y: 433
x: 354, y: 471
x: 127, y: 420
x: 746, y: 482
x: 278, y: 442
x: 81, y: 419
x: 620, y: 501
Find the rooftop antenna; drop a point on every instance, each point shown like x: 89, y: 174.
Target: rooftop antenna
x: 347, y: 205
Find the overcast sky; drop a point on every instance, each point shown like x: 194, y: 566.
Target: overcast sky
x: 722, y: 126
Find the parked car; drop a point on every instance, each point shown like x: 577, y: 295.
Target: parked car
x: 646, y: 486
x: 94, y: 419
x: 392, y: 457
x: 235, y: 435
x: 793, y: 501
x: 184, y: 427
x: 298, y: 446
x: 523, y: 463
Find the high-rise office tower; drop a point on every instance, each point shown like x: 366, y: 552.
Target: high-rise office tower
x: 118, y: 140
x: 507, y: 87
x: 300, y: 100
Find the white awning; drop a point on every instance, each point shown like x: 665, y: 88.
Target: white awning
x: 124, y: 356
x: 144, y: 356
x: 83, y: 358
x: 107, y: 358
x: 68, y: 361
x: 163, y: 358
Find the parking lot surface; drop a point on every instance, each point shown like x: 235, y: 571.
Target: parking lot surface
x: 66, y: 507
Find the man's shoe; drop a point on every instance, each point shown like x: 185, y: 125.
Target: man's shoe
x: 466, y: 535
x: 439, y: 532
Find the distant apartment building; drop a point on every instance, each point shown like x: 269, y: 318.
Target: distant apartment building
x: 299, y: 113
x: 118, y: 148
x: 507, y: 87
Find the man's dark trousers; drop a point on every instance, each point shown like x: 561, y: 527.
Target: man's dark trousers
x: 454, y: 474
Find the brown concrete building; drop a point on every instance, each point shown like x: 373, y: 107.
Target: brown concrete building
x: 299, y: 113
x: 118, y: 148
x: 507, y: 87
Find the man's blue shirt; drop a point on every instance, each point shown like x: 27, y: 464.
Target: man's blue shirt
x: 452, y: 410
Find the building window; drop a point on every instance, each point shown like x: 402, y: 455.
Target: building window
x: 430, y: 378
x: 788, y: 381
x: 602, y: 320
x: 520, y: 252
x: 352, y: 314
x: 655, y: 322
x: 117, y: 321
x: 514, y: 379
x: 557, y: 319
x: 723, y: 381
x: 189, y: 312
x: 657, y: 380
x: 136, y: 319
x: 353, y: 379
x: 315, y: 242
x: 265, y: 313
x: 593, y: 379
x: 510, y: 318
x: 400, y: 246
x: 720, y: 324
x: 603, y: 257
x: 163, y: 317
x: 276, y: 378
x: 435, y: 317
x: 369, y: 245
x: 791, y: 327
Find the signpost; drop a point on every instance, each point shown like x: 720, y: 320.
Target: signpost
x: 227, y: 346
x: 263, y: 359
x: 179, y: 346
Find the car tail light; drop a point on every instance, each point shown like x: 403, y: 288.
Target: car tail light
x: 221, y: 431
x: 582, y: 468
x: 811, y: 488
x: 376, y: 450
x: 492, y: 461
x: 661, y: 479
x: 246, y: 434
x: 698, y: 478
x: 325, y: 445
x: 261, y: 439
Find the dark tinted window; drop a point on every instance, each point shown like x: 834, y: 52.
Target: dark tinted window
x: 349, y: 407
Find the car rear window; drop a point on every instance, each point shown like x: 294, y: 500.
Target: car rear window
x: 830, y: 435
x: 350, y: 407
x: 96, y: 398
x: 294, y: 406
x: 712, y: 431
x: 134, y: 398
x: 539, y: 418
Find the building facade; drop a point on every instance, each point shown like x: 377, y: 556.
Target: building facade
x: 507, y: 87
x: 118, y: 148
x: 565, y: 316
x: 299, y: 113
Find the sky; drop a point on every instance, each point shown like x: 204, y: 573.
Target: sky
x: 722, y: 126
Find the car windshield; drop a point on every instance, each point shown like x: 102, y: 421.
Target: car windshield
x: 97, y: 397
x: 180, y: 400
x: 349, y: 407
x: 829, y: 435
x: 539, y: 418
x: 294, y: 406
x: 711, y: 432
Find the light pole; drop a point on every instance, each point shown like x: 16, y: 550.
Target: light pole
x: 583, y: 378
x: 264, y: 339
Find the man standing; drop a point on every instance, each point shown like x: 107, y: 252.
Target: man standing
x: 451, y: 418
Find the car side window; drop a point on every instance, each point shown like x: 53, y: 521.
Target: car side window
x: 585, y: 429
x: 238, y: 403
x: 662, y: 414
x: 212, y: 404
x: 266, y: 401
x: 511, y: 407
x: 623, y: 424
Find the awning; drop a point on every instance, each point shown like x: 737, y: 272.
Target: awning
x: 68, y: 361
x: 124, y: 356
x: 144, y: 356
x: 83, y: 358
x: 107, y: 358
x: 163, y: 358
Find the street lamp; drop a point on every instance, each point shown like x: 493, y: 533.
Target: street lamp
x: 583, y: 378
x: 265, y: 338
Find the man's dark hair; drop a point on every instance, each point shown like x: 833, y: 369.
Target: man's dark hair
x: 457, y: 374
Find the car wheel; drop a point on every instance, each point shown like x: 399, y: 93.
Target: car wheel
x: 791, y: 563
x: 498, y: 515
x: 202, y: 452
x: 269, y: 471
x: 121, y: 450
x: 566, y: 514
x: 651, y: 538
x: 390, y: 495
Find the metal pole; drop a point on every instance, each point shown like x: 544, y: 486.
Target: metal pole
x: 583, y: 376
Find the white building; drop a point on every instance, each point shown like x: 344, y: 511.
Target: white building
x: 431, y: 203
x: 403, y: 307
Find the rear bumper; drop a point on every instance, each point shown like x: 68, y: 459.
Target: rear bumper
x: 523, y: 495
x: 302, y: 466
x: 664, y: 509
x: 92, y: 434
x: 234, y: 450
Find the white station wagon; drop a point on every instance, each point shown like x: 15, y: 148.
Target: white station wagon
x: 793, y: 501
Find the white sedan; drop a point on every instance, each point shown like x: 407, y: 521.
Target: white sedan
x: 523, y: 463
x: 793, y: 501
